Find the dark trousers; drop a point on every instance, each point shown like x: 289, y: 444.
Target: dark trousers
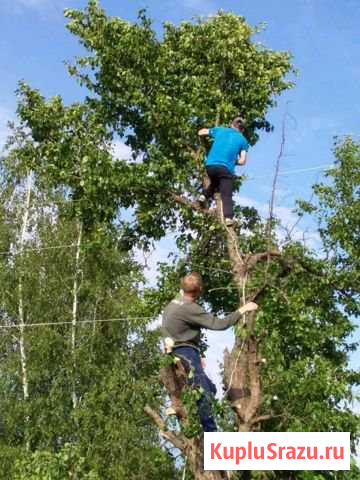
x: 221, y: 180
x: 191, y: 360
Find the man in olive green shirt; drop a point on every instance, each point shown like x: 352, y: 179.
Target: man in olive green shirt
x: 182, y: 322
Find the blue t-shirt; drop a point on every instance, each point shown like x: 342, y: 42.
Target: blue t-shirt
x: 228, y: 143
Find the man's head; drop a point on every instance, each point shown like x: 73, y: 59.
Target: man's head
x: 192, y: 284
x: 238, y: 123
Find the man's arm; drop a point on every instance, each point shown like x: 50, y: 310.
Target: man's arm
x: 197, y: 316
x: 203, y: 132
x: 242, y: 158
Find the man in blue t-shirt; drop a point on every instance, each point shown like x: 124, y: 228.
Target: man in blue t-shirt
x: 228, y: 149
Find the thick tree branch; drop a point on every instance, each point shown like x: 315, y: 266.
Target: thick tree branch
x: 174, y: 438
x: 252, y: 259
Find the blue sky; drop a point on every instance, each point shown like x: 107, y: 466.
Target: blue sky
x: 322, y: 35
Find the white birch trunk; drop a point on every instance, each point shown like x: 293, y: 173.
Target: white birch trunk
x: 75, y: 310
x: 23, y: 358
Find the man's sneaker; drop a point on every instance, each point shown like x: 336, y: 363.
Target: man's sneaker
x: 169, y: 344
x: 170, y: 411
x: 230, y: 222
x: 203, y: 201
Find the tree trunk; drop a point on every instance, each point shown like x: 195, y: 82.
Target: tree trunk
x: 195, y: 458
x: 75, y: 312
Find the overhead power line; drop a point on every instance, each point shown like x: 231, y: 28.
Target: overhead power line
x: 300, y: 170
x: 35, y: 249
x: 79, y: 322
x: 83, y: 322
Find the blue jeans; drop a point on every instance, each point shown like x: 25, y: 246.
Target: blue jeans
x: 191, y: 360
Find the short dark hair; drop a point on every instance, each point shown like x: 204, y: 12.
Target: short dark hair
x: 239, y: 123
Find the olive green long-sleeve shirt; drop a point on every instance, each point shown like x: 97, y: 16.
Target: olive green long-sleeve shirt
x: 183, y: 319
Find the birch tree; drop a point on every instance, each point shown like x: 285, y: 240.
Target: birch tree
x: 67, y: 150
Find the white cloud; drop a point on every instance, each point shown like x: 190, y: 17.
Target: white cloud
x: 121, y: 151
